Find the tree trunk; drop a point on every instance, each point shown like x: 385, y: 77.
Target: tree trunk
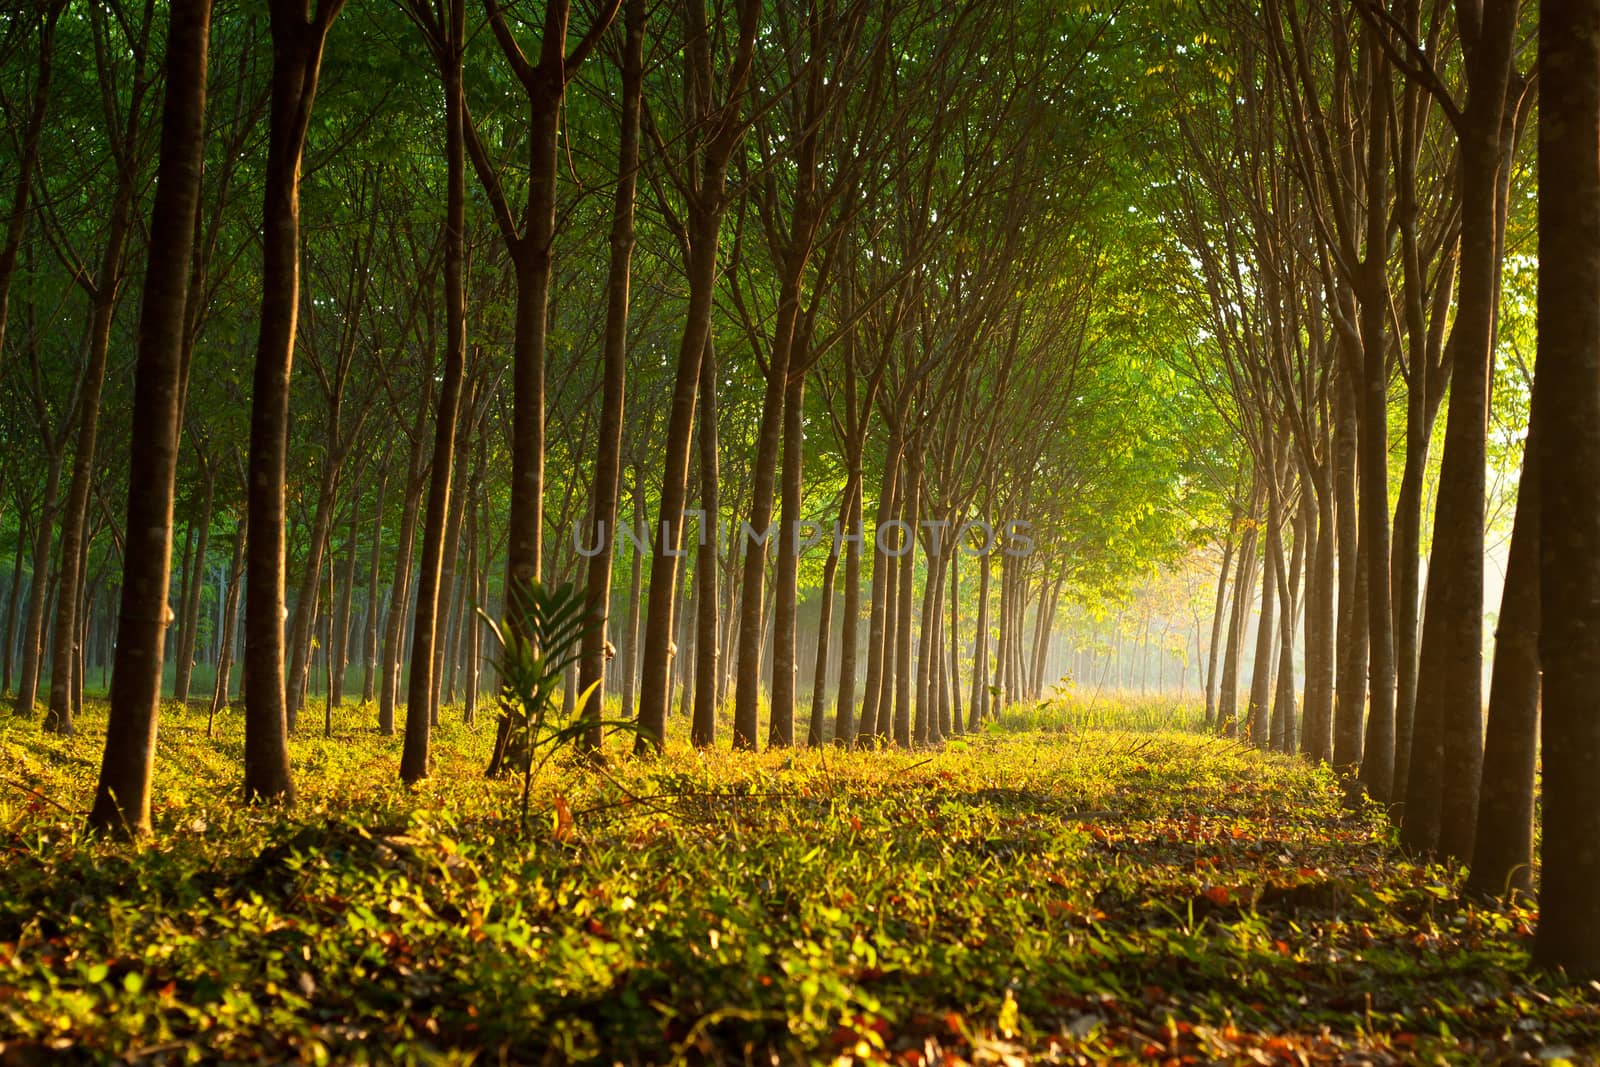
x: 297, y: 59
x: 1567, y: 406
x: 308, y: 599
x: 979, y: 703
x: 1350, y: 693
x: 786, y: 599
x: 369, y: 639
x: 400, y: 585
x: 824, y: 624
x: 122, y: 795
x: 1257, y: 722
x: 1447, y: 743
x: 191, y: 607
x: 630, y: 663
x: 955, y: 631
x: 910, y: 504
x: 844, y: 715
x: 705, y: 223
x: 925, y: 725
x: 606, y: 487
x: 13, y: 597
x: 883, y: 570
x: 1502, y: 856
x: 1217, y: 614
x: 1243, y: 586
x: 707, y: 652
x: 415, y: 758
x: 230, y: 623
x: 455, y: 508
x: 64, y: 648
x: 339, y: 648
x: 1283, y: 703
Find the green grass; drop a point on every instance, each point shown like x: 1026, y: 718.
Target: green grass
x: 1073, y: 885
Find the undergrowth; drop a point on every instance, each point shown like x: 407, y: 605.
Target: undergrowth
x: 1070, y: 886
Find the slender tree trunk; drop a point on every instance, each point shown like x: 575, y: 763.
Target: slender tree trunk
x: 1377, y: 754
x: 785, y: 668
x: 707, y: 652
x: 630, y: 662
x: 980, y: 649
x: 122, y: 795
x: 883, y: 570
x: 606, y: 487
x: 1406, y: 575
x: 39, y: 584
x: 339, y: 649
x: 13, y: 597
x: 1217, y: 614
x: 64, y: 646
x: 308, y: 599
x: 1283, y: 704
x: 1321, y: 585
x: 910, y: 505
x: 1502, y: 856
x: 883, y: 725
x: 415, y: 758
x: 191, y: 608
x: 369, y: 639
x: 230, y: 624
x: 1257, y: 724
x: 925, y: 726
x: 297, y: 59
x: 186, y: 573
x: 844, y: 716
x: 704, y: 226
x: 1350, y: 694
x: 1566, y: 405
x: 400, y: 587
x: 1243, y: 586
x: 955, y: 629
x: 1447, y: 740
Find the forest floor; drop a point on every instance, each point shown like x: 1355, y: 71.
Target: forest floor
x: 1065, y: 890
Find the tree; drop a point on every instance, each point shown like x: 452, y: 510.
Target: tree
x: 1566, y: 408
x: 298, y: 37
x: 122, y: 797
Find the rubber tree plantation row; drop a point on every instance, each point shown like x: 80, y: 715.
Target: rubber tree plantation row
x: 576, y: 387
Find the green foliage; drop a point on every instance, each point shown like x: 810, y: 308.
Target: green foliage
x: 1099, y: 895
x: 538, y: 643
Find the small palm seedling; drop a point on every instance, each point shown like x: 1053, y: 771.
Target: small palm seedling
x: 537, y: 644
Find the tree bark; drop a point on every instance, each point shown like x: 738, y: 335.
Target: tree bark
x: 1350, y: 693
x: 707, y: 652
x: 786, y: 598
x: 1502, y: 855
x: 1217, y: 613
x: 421, y: 689
x: 910, y: 504
x: 1567, y: 404
x: 191, y: 607
x: 844, y: 714
x: 230, y: 623
x: 296, y: 61
x: 400, y: 585
x: 883, y: 569
x: 122, y: 795
x: 1447, y: 743
x: 369, y: 638
x: 64, y: 648
x: 607, y: 484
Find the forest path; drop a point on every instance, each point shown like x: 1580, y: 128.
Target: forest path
x: 1041, y: 896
